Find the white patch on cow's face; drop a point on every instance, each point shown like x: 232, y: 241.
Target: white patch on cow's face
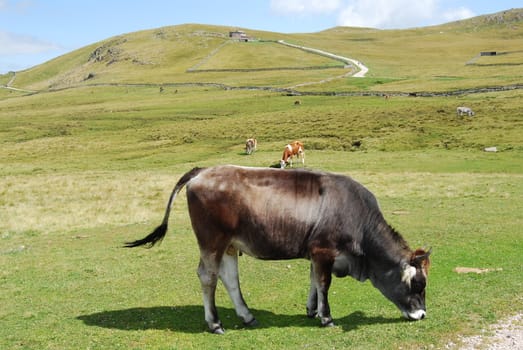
x: 415, y: 316
x: 408, y: 274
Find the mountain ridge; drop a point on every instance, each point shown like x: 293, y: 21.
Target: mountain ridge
x: 164, y: 55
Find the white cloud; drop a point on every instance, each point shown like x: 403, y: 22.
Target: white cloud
x: 457, y: 14
x: 15, y: 44
x: 293, y: 7
x: 387, y: 14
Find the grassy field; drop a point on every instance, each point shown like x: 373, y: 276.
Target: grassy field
x: 86, y: 168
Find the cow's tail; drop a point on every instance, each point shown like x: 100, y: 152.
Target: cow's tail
x: 159, y: 233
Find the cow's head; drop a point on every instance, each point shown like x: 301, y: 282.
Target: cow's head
x: 405, y: 285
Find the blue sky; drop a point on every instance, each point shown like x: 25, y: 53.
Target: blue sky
x: 34, y: 31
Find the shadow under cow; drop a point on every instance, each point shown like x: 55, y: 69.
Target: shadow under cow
x: 189, y: 319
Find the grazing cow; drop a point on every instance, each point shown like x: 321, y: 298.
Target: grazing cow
x: 460, y: 111
x: 292, y: 149
x: 251, y: 146
x: 329, y: 219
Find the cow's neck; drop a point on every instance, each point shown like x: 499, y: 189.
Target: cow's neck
x: 384, y: 247
x: 381, y: 251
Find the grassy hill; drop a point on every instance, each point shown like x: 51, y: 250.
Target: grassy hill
x: 420, y: 59
x: 88, y: 158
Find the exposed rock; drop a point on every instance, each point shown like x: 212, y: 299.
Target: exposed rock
x: 475, y: 270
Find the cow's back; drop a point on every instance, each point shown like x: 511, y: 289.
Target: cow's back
x: 275, y: 214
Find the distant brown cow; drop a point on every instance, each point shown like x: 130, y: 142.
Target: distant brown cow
x: 251, y: 145
x: 291, y: 150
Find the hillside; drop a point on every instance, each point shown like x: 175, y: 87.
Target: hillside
x: 92, y: 142
x: 436, y: 58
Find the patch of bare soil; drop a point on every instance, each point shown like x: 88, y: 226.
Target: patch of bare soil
x: 507, y: 334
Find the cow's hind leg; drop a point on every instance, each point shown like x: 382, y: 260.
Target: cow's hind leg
x: 321, y: 279
x: 208, y: 273
x: 312, y: 301
x: 230, y: 278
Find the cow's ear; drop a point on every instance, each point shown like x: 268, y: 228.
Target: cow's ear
x: 420, y: 257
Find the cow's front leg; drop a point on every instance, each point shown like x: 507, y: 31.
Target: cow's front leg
x: 208, y: 279
x: 322, y: 269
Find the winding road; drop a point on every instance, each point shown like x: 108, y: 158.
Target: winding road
x: 348, y: 61
x: 9, y: 87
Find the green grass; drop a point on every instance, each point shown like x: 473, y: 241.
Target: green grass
x: 240, y: 55
x: 84, y: 169
x: 72, y: 276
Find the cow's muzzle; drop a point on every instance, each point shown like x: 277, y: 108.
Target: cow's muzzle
x: 415, y: 315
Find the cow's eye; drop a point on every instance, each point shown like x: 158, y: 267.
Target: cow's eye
x: 417, y: 286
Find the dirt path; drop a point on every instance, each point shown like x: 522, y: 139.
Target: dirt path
x: 348, y: 61
x: 9, y: 87
x: 507, y: 334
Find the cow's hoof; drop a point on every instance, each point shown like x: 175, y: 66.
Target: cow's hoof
x: 217, y: 330
x: 327, y: 322
x: 312, y: 313
x: 251, y: 323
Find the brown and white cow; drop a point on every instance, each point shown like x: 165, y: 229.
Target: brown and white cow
x: 251, y: 145
x: 294, y: 148
x: 329, y: 219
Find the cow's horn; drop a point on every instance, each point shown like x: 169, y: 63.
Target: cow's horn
x: 423, y: 256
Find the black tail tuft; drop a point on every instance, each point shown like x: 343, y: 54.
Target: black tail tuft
x: 158, y: 234
x: 149, y: 241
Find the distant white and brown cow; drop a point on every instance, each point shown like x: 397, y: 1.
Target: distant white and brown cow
x: 329, y: 219
x: 251, y: 145
x: 292, y: 149
x: 460, y: 111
